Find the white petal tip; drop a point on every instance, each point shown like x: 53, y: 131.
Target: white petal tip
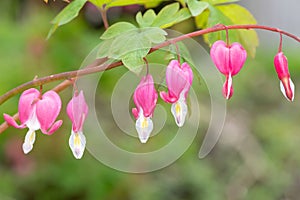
x: 143, y: 140
x: 289, y: 94
x: 77, y: 143
x: 144, y: 127
x: 27, y: 148
x: 179, y: 111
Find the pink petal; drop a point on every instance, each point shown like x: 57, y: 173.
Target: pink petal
x: 47, y: 109
x: 11, y: 121
x: 281, y: 65
x: 219, y: 54
x: 135, y: 112
x: 228, y: 59
x: 176, y: 79
x: 53, y: 128
x: 145, y: 95
x: 77, y: 111
x: 27, y: 104
x: 167, y: 98
x: 238, y: 56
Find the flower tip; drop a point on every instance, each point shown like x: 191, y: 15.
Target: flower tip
x: 77, y: 143
x: 287, y: 88
x: 27, y: 147
x: 144, y: 127
x: 179, y: 111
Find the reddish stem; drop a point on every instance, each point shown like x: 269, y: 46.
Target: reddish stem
x: 280, y: 43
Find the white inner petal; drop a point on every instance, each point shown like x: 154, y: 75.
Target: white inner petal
x: 33, y: 122
x: 144, y: 127
x: 229, y: 84
x: 179, y: 111
x: 283, y: 90
x: 29, y: 141
x: 77, y: 143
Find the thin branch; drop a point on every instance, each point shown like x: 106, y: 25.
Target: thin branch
x: 103, y: 12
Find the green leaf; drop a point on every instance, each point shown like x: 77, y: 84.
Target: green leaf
x: 147, y: 19
x: 114, y: 3
x: 239, y: 15
x: 134, y: 61
x: 66, y: 15
x: 165, y: 16
x: 216, y: 2
x: 197, y: 7
x: 201, y: 20
x: 104, y: 48
x: 154, y: 34
x: 180, y: 16
x: 117, y: 29
x: 217, y: 17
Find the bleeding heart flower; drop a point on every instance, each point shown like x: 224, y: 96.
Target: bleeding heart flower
x: 229, y: 60
x: 77, y: 111
x: 145, y: 98
x: 287, y: 86
x: 37, y: 111
x: 179, y: 80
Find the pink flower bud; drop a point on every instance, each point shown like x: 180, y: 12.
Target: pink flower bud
x: 179, y: 80
x: 229, y: 60
x: 145, y: 98
x: 77, y: 110
x: 287, y: 87
x: 36, y: 112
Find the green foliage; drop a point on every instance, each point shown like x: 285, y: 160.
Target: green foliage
x: 168, y: 16
x: 216, y: 2
x: 66, y: 15
x: 229, y: 15
x: 113, y: 3
x: 197, y: 7
x: 124, y: 41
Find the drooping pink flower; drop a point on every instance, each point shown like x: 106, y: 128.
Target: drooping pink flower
x: 179, y: 80
x: 37, y: 111
x: 77, y: 110
x: 287, y: 86
x: 145, y: 98
x: 229, y: 60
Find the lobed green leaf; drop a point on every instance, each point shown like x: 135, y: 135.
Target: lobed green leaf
x: 117, y: 29
x: 197, y: 7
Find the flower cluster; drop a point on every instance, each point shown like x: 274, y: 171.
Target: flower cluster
x: 39, y: 111
x: 229, y: 59
x: 178, y: 79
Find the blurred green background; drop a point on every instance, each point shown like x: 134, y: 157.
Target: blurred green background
x: 256, y: 158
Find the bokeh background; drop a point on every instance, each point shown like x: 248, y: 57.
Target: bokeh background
x: 257, y: 156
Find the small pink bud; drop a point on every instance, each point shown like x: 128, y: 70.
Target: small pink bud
x: 287, y: 87
x: 229, y: 60
x: 179, y: 80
